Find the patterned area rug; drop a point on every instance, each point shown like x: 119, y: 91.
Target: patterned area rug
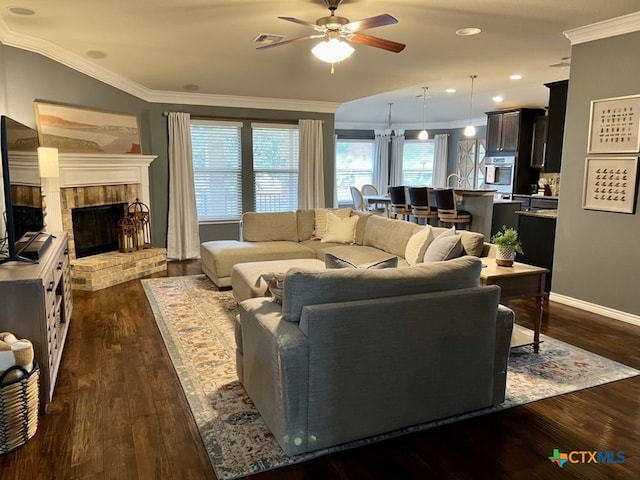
x: 196, y: 321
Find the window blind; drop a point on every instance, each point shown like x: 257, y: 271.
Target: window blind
x: 417, y: 163
x: 275, y: 167
x: 217, y: 169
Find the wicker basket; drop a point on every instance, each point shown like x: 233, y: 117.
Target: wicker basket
x: 19, y: 402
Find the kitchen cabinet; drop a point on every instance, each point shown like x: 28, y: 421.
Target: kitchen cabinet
x: 536, y: 202
x: 537, y: 232
x: 510, y: 132
x: 37, y: 305
x: 555, y: 128
x: 539, y: 141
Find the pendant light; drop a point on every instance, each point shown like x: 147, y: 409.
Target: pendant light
x: 389, y: 130
x: 470, y: 130
x: 424, y: 135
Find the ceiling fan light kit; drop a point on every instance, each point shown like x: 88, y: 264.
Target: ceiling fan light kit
x: 332, y: 51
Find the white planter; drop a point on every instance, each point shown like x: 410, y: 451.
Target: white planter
x: 505, y: 255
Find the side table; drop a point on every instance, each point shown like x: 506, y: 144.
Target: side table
x: 519, y: 281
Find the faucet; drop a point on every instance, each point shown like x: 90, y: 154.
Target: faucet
x: 454, y: 175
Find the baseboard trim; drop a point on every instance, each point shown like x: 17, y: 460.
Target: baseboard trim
x: 594, y: 308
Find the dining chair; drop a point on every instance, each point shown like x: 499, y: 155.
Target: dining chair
x: 448, y: 212
x: 420, y: 207
x: 399, y: 207
x: 358, y: 200
x: 368, y: 189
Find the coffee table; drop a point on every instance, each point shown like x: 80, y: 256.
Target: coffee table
x: 519, y: 281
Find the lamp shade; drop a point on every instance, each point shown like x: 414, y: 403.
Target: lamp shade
x: 423, y: 135
x: 469, y: 131
x: 48, y: 162
x: 332, y: 51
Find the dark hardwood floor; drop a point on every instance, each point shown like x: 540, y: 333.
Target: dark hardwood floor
x: 119, y: 412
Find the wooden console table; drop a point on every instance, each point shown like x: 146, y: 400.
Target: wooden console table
x: 37, y: 304
x: 519, y: 281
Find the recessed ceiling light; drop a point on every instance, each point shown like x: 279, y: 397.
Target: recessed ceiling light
x: 97, y: 54
x: 450, y: 90
x: 516, y: 76
x: 22, y: 11
x: 465, y: 32
x: 498, y: 99
x: 191, y: 87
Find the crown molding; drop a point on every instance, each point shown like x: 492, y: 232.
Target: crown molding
x: 607, y: 28
x: 82, y: 65
x: 476, y: 122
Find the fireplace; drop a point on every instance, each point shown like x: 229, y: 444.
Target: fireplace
x: 96, y: 183
x: 95, y: 228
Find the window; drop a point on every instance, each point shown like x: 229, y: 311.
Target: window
x: 275, y: 167
x: 217, y: 169
x: 417, y: 163
x: 354, y: 166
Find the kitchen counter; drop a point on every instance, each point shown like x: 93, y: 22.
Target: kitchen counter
x: 543, y: 213
x: 480, y: 204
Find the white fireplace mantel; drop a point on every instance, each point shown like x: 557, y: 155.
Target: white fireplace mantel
x: 85, y: 170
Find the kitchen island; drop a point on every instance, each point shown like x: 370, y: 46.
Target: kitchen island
x: 480, y: 204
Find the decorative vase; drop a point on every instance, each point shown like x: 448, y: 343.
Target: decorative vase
x: 505, y: 255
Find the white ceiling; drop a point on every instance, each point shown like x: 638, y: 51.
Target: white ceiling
x: 165, y: 46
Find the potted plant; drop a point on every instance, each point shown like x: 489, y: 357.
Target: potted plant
x: 507, y: 244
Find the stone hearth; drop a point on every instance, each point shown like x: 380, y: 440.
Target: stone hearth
x: 112, y: 268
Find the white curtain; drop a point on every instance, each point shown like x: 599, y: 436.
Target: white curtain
x: 440, y: 160
x: 397, y: 149
x: 381, y: 159
x: 183, y: 238
x: 311, y: 167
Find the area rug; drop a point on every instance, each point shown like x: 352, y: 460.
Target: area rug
x: 196, y: 322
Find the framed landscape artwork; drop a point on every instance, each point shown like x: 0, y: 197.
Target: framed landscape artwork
x: 610, y: 184
x: 614, y: 125
x: 82, y: 130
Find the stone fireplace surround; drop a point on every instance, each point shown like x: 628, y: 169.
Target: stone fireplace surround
x: 100, y: 179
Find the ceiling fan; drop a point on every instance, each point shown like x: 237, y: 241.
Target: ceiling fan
x: 337, y: 31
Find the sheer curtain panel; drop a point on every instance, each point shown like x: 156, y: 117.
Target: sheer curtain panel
x: 440, y: 160
x: 381, y: 165
x: 311, y: 170
x: 397, y: 150
x: 183, y: 238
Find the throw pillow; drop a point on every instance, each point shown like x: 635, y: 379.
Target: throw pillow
x: 417, y: 245
x: 321, y: 219
x: 275, y: 284
x: 331, y: 261
x: 340, y: 230
x: 445, y: 247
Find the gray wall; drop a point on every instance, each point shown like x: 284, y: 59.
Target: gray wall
x: 29, y: 77
x: 597, y: 259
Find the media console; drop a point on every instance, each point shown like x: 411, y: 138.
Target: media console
x: 37, y: 304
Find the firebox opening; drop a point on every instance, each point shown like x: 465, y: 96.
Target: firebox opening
x: 95, y: 228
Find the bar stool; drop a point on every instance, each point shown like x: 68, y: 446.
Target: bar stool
x: 448, y: 213
x: 420, y: 208
x: 399, y: 206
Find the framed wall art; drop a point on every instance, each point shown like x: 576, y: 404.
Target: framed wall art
x: 614, y: 125
x: 610, y: 184
x: 73, y: 129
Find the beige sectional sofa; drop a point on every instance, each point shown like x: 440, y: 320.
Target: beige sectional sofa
x: 354, y: 353
x: 294, y: 235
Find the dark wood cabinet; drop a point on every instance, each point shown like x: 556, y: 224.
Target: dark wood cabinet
x: 510, y: 132
x: 555, y: 128
x: 537, y: 233
x: 539, y: 141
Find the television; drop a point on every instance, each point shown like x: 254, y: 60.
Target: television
x: 23, y: 212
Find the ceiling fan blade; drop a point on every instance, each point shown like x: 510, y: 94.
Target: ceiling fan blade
x: 371, y: 22
x: 284, y: 42
x: 301, y: 22
x: 376, y: 42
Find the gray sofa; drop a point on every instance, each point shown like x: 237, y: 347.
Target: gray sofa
x: 292, y: 235
x: 353, y: 353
